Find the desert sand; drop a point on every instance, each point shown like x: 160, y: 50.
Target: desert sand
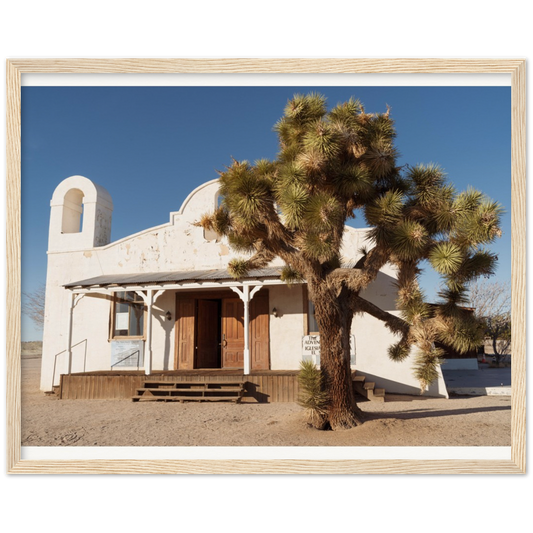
x: 400, y: 421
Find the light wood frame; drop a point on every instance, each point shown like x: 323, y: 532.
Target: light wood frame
x: 112, y: 336
x: 515, y: 67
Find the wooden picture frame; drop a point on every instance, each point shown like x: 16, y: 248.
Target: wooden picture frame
x: 515, y: 67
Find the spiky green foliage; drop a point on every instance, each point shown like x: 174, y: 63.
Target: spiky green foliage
x: 399, y: 351
x: 409, y: 240
x: 290, y: 276
x: 238, y: 268
x: 312, y: 395
x: 445, y: 258
x: 333, y: 164
x: 463, y: 332
x: 426, y: 366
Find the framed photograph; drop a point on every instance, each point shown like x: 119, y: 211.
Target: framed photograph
x: 450, y: 463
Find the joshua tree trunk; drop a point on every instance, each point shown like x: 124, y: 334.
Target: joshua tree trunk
x: 334, y: 325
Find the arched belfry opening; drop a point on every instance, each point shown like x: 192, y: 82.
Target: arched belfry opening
x: 80, y: 216
x: 73, y: 212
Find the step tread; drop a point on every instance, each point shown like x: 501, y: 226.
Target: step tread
x: 198, y: 385
x: 189, y: 383
x: 187, y: 398
x: 197, y: 391
x: 367, y: 389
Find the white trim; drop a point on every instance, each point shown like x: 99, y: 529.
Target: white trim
x: 178, y: 286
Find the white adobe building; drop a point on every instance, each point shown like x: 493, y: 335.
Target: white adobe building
x: 162, y: 300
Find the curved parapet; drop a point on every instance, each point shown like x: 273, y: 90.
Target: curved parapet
x: 204, y: 199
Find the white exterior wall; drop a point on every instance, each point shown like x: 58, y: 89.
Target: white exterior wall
x: 180, y: 245
x: 372, y: 341
x: 287, y: 328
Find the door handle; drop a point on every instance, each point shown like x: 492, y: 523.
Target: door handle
x: 224, y: 341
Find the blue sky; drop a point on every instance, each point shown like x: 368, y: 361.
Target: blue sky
x: 150, y: 146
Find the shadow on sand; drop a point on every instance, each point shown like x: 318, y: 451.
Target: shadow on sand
x: 431, y: 413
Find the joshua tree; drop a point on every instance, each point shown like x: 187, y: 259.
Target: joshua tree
x: 330, y: 165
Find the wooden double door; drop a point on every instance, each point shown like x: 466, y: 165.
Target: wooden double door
x: 210, y: 331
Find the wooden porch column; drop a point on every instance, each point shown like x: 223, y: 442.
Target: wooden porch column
x: 149, y: 298
x: 148, y: 355
x: 246, y: 295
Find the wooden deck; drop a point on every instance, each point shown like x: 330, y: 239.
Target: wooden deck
x: 266, y: 386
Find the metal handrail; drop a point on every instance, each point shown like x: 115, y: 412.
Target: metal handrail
x: 138, y: 352
x: 66, y: 350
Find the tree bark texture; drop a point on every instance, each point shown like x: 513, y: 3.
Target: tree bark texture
x: 334, y: 322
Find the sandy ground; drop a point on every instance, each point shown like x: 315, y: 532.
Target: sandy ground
x: 400, y: 421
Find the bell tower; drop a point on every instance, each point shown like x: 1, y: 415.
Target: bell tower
x: 80, y: 216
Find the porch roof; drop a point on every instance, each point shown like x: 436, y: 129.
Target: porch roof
x: 143, y: 279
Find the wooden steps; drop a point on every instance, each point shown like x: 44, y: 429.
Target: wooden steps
x: 367, y: 389
x: 190, y: 391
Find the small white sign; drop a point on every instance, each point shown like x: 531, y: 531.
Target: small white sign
x: 311, y: 349
x: 127, y: 353
x: 122, y: 320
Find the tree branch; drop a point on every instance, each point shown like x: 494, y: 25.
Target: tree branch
x: 394, y: 323
x: 358, y: 279
x: 261, y: 258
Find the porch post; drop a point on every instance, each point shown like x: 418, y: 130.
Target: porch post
x: 246, y: 295
x: 148, y: 354
x: 69, y: 332
x: 149, y: 298
x: 246, y: 301
x: 74, y: 299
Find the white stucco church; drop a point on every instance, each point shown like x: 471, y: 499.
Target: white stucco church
x: 161, y: 300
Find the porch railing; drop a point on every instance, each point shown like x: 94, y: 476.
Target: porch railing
x: 63, y: 351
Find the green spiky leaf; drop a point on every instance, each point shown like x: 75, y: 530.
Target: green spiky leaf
x: 399, y: 352
x: 380, y: 158
x: 386, y: 209
x: 289, y: 275
x: 323, y: 212
x: 292, y: 201
x: 463, y: 332
x: 426, y: 367
x: 312, y: 394
x: 346, y: 113
x: 409, y: 240
x: 241, y: 243
x: 318, y: 246
x: 238, y: 268
x: 353, y: 179
x: 445, y: 258
x: 323, y: 138
x: 304, y: 108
